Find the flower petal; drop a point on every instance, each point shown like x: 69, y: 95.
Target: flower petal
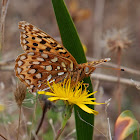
x: 87, y: 109
x: 73, y: 94
x: 53, y: 99
x: 46, y: 93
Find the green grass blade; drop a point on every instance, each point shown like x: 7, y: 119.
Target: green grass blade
x: 73, y: 44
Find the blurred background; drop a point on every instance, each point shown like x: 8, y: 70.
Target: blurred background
x: 107, y: 28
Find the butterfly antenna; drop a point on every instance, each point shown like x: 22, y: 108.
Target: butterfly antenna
x: 111, y: 68
x: 96, y: 63
x: 99, y: 62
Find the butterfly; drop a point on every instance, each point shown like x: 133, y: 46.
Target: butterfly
x: 45, y: 60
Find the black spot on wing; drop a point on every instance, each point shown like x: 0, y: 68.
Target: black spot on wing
x: 43, y: 42
x: 33, y: 38
x: 39, y: 36
x: 35, y: 44
x: 53, y: 44
x: 34, y: 77
x: 28, y: 48
x: 62, y: 52
x: 31, y: 66
x: 48, y: 49
x: 47, y: 37
x: 34, y: 49
x: 41, y: 51
x: 59, y: 48
x: 26, y: 42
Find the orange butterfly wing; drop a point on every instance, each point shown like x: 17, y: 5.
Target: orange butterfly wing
x: 44, y: 59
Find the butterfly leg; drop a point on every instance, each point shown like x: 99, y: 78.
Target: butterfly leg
x: 77, y: 76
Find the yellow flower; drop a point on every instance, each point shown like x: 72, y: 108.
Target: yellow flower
x: 72, y: 94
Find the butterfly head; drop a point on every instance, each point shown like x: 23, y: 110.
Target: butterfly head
x: 88, y: 69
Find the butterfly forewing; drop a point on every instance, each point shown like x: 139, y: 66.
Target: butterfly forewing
x: 35, y: 40
x: 44, y: 59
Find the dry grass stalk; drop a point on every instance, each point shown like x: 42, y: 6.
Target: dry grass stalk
x: 98, y: 27
x: 3, y: 15
x: 107, y: 103
x: 3, y: 137
x: 19, y: 94
x: 8, y: 62
x: 117, y: 41
x: 45, y: 104
x: 114, y: 79
x: 128, y: 70
x: 6, y: 66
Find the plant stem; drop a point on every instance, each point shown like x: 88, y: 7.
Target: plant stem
x: 60, y: 131
x: 109, y: 78
x: 19, y: 122
x: 66, y: 115
x: 118, y: 93
x: 34, y: 115
x: 40, y: 123
x: 46, y: 104
x: 3, y: 137
x: 2, y: 20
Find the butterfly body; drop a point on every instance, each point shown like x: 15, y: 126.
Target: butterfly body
x: 46, y: 60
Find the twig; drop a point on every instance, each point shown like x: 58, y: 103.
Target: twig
x: 19, y: 122
x: 72, y: 132
x: 59, y: 133
x: 129, y: 70
x: 109, y: 130
x: 46, y: 104
x: 90, y: 124
x: 96, y: 85
x: 51, y: 123
x: 118, y: 91
x: 99, y: 76
x: 34, y: 115
x: 41, y: 121
x: 5, y: 126
x: 3, y: 15
x: 40, y: 124
x: 3, y: 137
x: 3, y: 63
x: 107, y: 103
x: 7, y: 68
x: 114, y: 79
x: 98, y: 20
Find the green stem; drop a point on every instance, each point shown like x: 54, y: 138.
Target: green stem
x: 61, y: 130
x: 66, y: 115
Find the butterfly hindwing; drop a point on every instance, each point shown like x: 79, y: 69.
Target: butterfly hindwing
x: 36, y: 69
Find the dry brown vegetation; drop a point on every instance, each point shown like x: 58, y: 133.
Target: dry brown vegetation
x: 108, y: 28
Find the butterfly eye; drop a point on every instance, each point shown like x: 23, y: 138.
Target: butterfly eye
x: 86, y: 70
